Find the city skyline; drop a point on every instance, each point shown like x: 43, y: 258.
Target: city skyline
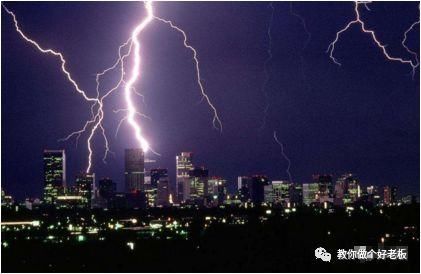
x: 148, y: 165
x: 215, y: 136
x: 141, y: 177
x: 362, y: 120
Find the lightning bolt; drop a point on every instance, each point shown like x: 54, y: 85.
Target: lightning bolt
x: 131, y: 109
x: 98, y: 117
x: 51, y: 52
x: 125, y: 118
x: 405, y: 37
x: 265, y: 66
x: 285, y: 156
x: 216, y: 121
x: 305, y: 44
x: 303, y: 23
x: 129, y: 89
x: 382, y: 47
x: 95, y: 123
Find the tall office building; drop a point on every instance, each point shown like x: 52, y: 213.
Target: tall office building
x: 54, y: 174
x: 394, y: 194
x: 374, y: 195
x: 339, y: 193
x: 325, y: 193
x: 196, y: 189
x: 389, y: 195
x: 256, y: 188
x: 184, y: 164
x: 85, y: 188
x: 310, y: 193
x: 163, y: 192
x: 217, y: 191
x: 243, y: 183
x: 153, y: 188
x: 354, y: 189
x: 281, y: 192
x: 134, y: 165
x: 347, y: 189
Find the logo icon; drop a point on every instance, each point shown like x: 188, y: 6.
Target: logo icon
x: 322, y: 254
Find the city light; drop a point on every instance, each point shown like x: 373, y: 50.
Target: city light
x: 130, y: 245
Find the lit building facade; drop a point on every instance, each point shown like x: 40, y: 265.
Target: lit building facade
x: 325, y: 193
x: 281, y: 192
x: 163, y: 192
x: 389, y: 195
x: 6, y: 200
x: 196, y: 189
x: 347, y: 190
x: 54, y: 174
x: 85, y: 188
x: 394, y: 195
x: 269, y: 196
x: 243, y: 183
x: 310, y: 192
x: 339, y: 193
x: 217, y: 191
x: 134, y: 166
x: 184, y: 165
x: 158, y: 188
x: 354, y: 189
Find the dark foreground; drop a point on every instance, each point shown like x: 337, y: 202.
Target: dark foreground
x: 264, y: 243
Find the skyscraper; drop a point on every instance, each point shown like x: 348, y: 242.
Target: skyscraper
x: 184, y: 164
x: 354, y: 189
x: 389, y: 195
x: 197, y: 187
x: 256, y: 188
x: 54, y: 174
x: 158, y: 185
x: 269, y: 195
x: 281, y: 192
x: 310, y: 193
x: 134, y: 170
x: 394, y: 195
x: 339, y: 193
x: 85, y: 188
x: 347, y: 189
x: 243, y: 183
x: 325, y: 193
x: 374, y: 194
x: 163, y: 192
x: 217, y: 191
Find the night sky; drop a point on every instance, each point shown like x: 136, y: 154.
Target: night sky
x: 361, y: 117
